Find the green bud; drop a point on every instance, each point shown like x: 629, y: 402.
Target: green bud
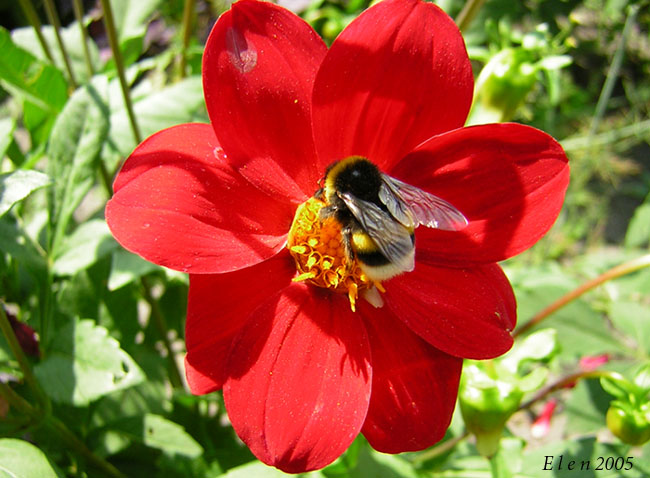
x: 502, y: 85
x: 486, y: 403
x: 630, y: 425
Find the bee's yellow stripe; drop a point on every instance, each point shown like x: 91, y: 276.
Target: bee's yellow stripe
x: 362, y: 243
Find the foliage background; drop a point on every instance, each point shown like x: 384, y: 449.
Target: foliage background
x: 103, y: 394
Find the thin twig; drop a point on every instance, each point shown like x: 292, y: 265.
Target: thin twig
x: 163, y: 331
x: 613, y: 72
x: 440, y: 448
x: 467, y: 14
x: 50, y: 10
x: 606, y: 137
x: 19, y: 354
x: 33, y: 20
x: 79, y: 15
x: 111, y: 32
x: 71, y: 440
x: 188, y: 11
x: 564, y: 382
x: 613, y: 273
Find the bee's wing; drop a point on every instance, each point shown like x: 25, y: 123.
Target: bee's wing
x: 392, y: 238
x: 412, y: 206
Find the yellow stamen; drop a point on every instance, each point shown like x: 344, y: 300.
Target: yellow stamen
x: 320, y: 257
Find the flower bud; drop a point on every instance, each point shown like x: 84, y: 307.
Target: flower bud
x: 486, y: 404
x: 630, y: 425
x: 502, y: 85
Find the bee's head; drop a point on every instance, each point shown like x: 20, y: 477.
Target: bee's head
x: 355, y: 175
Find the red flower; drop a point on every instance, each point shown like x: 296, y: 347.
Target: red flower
x: 302, y: 374
x: 542, y: 424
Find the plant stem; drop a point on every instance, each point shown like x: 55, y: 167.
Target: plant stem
x: 19, y: 354
x: 188, y: 11
x: 613, y: 273
x: 439, y: 449
x: 606, y: 137
x: 79, y: 15
x: 614, y: 70
x: 15, y: 400
x: 32, y: 17
x: 163, y: 331
x: 71, y: 440
x: 63, y: 432
x: 106, y: 178
x: 467, y: 14
x: 54, y: 20
x: 566, y: 381
x: 111, y: 32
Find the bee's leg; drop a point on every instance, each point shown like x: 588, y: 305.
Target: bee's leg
x: 327, y: 211
x: 346, y: 239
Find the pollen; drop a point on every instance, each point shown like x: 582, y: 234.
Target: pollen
x: 318, y: 250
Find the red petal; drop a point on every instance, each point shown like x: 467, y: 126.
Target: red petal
x: 219, y: 306
x: 300, y: 380
x: 396, y: 76
x: 179, y: 204
x: 464, y: 312
x: 508, y: 180
x: 259, y: 66
x: 414, y: 386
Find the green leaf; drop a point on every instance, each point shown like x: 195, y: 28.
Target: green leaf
x: 618, y: 387
x: 7, y: 126
x: 638, y: 232
x: 126, y: 268
x: 158, y: 432
x: 534, y: 380
x: 84, y: 363
x: 38, y: 82
x: 538, y: 346
x: 17, y: 185
x: 15, y: 242
x: 373, y: 464
x: 507, y: 461
x: 581, y: 330
x: 633, y: 320
x: 180, y: 103
x: 21, y: 459
x: 586, y: 407
x: 131, y: 20
x: 256, y: 469
x: 642, y: 378
x: 26, y: 38
x: 90, y: 242
x: 77, y: 138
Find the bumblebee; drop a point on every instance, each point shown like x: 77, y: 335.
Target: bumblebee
x: 378, y: 215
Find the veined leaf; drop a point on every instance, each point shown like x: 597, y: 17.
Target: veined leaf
x: 21, y: 459
x: 86, y: 245
x: 17, y: 185
x: 40, y: 83
x: 77, y: 138
x: 7, y: 126
x: 131, y: 20
x: 71, y: 36
x: 84, y: 363
x: 180, y: 103
x: 18, y: 244
x: 127, y: 267
x: 158, y: 432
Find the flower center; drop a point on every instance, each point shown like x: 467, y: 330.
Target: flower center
x: 316, y: 246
